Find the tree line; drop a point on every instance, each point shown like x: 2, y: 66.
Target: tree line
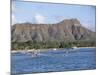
x: 54, y: 44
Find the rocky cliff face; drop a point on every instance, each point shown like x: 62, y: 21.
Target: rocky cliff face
x: 66, y: 30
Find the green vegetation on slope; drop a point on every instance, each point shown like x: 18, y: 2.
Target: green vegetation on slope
x: 46, y: 45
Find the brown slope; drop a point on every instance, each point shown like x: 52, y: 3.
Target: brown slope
x: 66, y: 30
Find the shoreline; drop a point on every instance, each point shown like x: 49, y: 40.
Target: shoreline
x: 40, y: 50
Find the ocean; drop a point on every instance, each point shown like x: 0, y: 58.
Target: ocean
x: 54, y: 61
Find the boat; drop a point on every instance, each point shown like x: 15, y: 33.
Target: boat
x: 74, y: 47
x: 23, y: 52
x: 67, y: 52
x: 35, y: 53
x: 54, y: 49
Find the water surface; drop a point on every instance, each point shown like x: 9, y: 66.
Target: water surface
x: 53, y: 61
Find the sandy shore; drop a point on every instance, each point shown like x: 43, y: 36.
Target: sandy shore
x: 31, y: 50
x: 22, y: 51
x: 40, y: 50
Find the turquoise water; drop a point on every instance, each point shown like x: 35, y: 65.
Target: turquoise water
x: 54, y: 61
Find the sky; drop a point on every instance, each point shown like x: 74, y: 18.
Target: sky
x: 35, y: 12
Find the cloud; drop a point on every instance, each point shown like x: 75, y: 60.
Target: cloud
x: 13, y: 8
x: 89, y: 25
x: 39, y: 18
x: 13, y: 19
x: 60, y: 17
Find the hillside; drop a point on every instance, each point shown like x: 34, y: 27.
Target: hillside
x: 66, y: 30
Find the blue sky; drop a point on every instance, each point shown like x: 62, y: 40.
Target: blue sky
x: 52, y: 13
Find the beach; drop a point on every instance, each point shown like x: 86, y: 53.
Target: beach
x: 40, y: 50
